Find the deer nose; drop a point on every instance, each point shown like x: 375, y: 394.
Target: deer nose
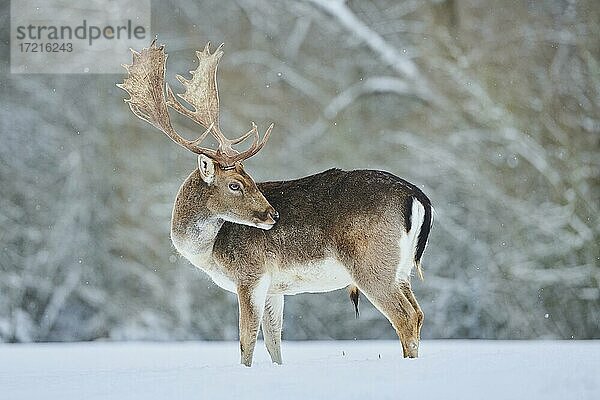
x: 275, y: 215
x: 267, y: 215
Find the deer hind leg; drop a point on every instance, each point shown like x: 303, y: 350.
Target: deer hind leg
x: 394, y: 304
x: 272, y: 324
x: 251, y: 300
x: 407, y: 290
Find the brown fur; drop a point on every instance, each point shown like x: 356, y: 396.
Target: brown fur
x: 355, y: 217
x: 333, y: 227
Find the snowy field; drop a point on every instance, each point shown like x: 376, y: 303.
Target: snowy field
x: 457, y: 369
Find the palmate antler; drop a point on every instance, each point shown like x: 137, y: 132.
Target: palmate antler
x: 145, y: 83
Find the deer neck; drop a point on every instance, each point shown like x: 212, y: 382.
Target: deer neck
x: 194, y: 228
x: 201, y: 234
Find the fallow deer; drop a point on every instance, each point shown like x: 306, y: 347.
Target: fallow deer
x: 362, y: 229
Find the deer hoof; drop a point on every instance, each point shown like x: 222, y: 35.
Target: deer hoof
x: 411, y: 349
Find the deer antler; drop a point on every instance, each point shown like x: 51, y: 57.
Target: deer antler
x: 201, y: 91
x: 147, y: 100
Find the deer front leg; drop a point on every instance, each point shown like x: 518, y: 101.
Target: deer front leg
x: 271, y: 326
x: 251, y: 300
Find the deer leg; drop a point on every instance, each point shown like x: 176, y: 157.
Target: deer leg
x: 272, y: 323
x: 403, y: 316
x: 407, y: 290
x: 394, y: 304
x: 251, y: 300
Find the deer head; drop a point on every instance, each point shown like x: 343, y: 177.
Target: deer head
x: 232, y: 193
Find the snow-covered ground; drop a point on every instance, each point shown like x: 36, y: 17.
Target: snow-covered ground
x: 453, y: 369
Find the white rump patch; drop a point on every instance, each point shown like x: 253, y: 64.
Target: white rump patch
x: 408, y: 241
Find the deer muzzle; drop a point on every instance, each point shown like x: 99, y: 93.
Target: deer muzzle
x: 266, y: 219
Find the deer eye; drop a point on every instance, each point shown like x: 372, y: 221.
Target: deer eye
x: 235, y: 187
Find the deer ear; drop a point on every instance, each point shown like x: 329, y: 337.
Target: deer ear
x: 206, y: 165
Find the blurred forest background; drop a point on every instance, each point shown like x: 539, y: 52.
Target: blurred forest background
x: 492, y: 108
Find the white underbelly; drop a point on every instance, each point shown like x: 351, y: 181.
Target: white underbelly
x: 313, y: 277
x: 321, y: 276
